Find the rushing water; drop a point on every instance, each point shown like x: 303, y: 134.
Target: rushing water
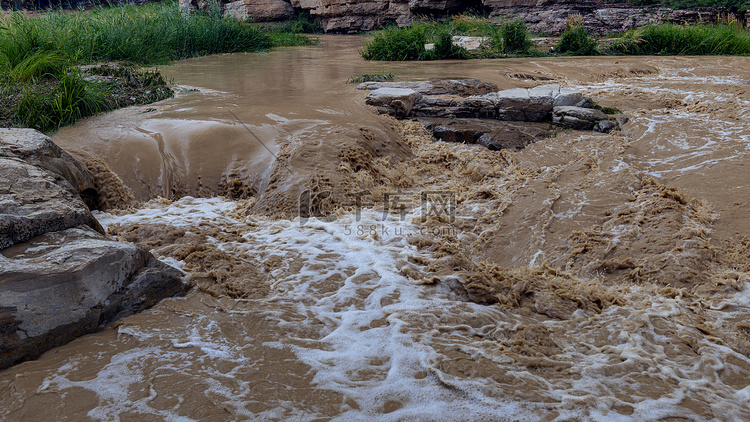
x: 587, y: 277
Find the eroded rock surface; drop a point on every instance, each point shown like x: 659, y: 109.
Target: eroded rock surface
x: 60, y: 276
x: 543, y: 17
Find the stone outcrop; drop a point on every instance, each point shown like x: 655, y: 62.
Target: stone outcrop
x: 577, y: 117
x: 483, y: 119
x: 60, y: 276
x: 541, y: 16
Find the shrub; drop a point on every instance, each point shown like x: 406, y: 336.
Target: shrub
x: 445, y: 49
x: 575, y: 40
x: 515, y: 37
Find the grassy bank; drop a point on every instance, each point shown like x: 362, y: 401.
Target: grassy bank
x: 41, y: 80
x: 671, y: 39
x: 510, y: 39
x: 408, y: 43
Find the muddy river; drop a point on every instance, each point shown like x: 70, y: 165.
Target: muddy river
x: 587, y: 277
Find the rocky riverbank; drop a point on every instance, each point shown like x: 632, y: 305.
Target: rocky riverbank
x: 60, y: 275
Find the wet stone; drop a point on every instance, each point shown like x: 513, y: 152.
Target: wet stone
x: 60, y: 276
x: 492, y: 134
x: 578, y: 117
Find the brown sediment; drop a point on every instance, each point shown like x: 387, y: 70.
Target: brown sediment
x: 211, y: 269
x: 111, y: 191
x: 661, y: 236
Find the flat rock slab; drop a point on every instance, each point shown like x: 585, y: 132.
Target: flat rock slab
x: 459, y: 87
x: 492, y: 134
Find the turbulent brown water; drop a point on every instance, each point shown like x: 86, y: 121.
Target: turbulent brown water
x: 587, y: 277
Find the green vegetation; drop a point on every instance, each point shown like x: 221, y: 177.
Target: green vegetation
x: 575, y: 40
x: 41, y: 78
x: 408, y: 43
x: 371, y: 78
x: 734, y: 5
x: 672, y: 39
x: 515, y: 37
x: 398, y: 44
x: 511, y: 38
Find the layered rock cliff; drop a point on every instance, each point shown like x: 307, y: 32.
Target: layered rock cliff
x: 541, y: 16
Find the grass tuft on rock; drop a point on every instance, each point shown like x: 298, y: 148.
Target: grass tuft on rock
x: 371, y: 78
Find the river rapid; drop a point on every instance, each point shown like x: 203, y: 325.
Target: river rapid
x: 586, y: 277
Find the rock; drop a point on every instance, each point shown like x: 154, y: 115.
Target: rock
x: 605, y: 126
x: 34, y: 201
x: 492, y: 134
x: 60, y: 277
x: 37, y: 149
x: 459, y: 87
x: 62, y: 285
x: 524, y: 105
x: 577, y: 117
x: 260, y: 10
x: 395, y: 101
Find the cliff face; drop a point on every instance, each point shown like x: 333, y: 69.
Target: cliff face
x: 541, y: 16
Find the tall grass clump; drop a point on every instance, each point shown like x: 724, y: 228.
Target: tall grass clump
x: 673, y: 39
x: 150, y: 34
x: 575, y: 40
x: 444, y: 49
x: 397, y: 44
x: 68, y: 101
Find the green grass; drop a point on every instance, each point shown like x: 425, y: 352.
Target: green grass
x: 398, y: 44
x: 735, y: 5
x: 151, y: 34
x: 407, y: 43
x: 672, y: 39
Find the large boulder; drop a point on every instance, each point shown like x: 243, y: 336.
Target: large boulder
x: 60, y: 276
x: 37, y: 149
x: 35, y: 201
x: 68, y: 283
